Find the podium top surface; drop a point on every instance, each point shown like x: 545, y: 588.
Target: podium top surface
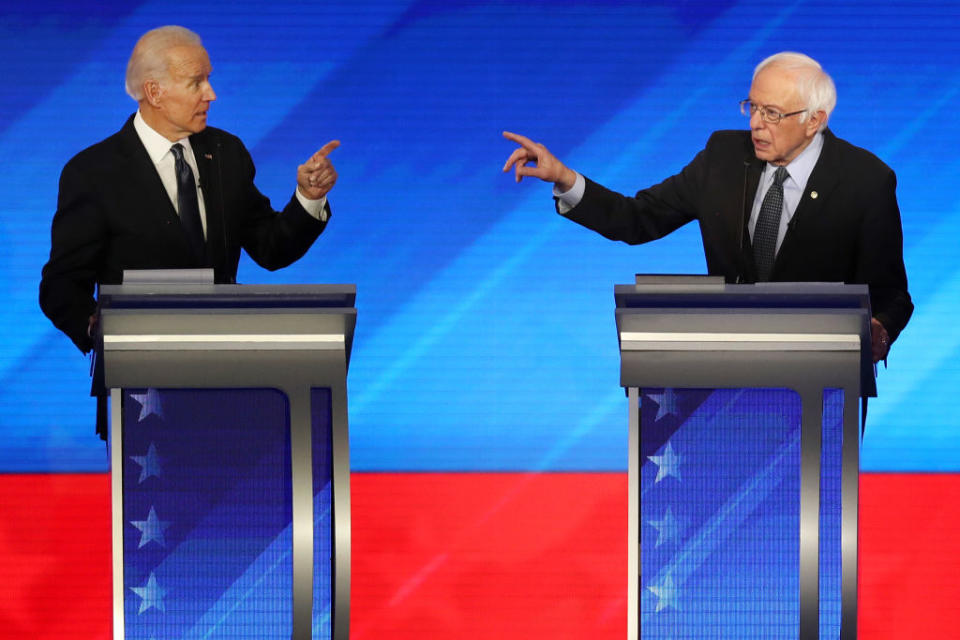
x: 764, y: 295
x: 227, y: 296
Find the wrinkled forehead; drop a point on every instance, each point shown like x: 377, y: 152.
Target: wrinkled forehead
x: 775, y: 85
x: 188, y: 61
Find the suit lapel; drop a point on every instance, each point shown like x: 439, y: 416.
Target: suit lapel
x: 207, y: 164
x: 752, y: 172
x: 823, y: 179
x: 153, y: 202
x: 141, y: 170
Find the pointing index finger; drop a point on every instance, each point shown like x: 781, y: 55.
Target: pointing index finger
x: 523, y: 141
x: 327, y: 148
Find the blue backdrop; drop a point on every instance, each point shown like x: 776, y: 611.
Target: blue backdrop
x: 486, y: 338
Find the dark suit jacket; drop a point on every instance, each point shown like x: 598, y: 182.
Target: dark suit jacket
x: 113, y: 213
x: 846, y: 227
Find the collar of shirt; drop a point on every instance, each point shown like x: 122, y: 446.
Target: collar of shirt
x: 799, y: 169
x: 158, y: 148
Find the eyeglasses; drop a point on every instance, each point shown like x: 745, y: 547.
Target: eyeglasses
x: 768, y: 114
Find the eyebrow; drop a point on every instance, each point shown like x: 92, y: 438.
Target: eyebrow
x: 771, y: 106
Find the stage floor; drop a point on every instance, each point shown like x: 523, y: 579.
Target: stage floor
x: 477, y: 555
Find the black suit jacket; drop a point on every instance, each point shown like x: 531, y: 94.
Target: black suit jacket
x: 846, y: 227
x: 113, y: 213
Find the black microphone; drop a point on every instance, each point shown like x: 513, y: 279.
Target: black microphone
x: 741, y: 227
x: 231, y: 276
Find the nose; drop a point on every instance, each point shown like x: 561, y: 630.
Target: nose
x: 756, y: 120
x: 208, y: 93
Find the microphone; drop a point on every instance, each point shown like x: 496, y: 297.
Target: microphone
x: 231, y: 275
x: 741, y: 226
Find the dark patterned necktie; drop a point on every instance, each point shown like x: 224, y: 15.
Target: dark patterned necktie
x: 187, y: 203
x: 768, y: 226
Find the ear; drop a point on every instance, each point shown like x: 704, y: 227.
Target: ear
x: 814, y: 121
x: 152, y: 91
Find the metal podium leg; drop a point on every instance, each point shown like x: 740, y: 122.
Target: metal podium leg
x: 341, y: 515
x: 301, y: 460
x: 811, y: 431
x: 850, y: 491
x: 116, y: 508
x: 633, y: 515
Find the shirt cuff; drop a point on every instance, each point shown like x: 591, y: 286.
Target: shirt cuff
x: 316, y: 208
x: 570, y: 199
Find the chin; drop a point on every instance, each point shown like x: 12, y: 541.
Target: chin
x: 766, y: 156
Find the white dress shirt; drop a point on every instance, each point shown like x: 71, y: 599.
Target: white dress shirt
x: 158, y: 148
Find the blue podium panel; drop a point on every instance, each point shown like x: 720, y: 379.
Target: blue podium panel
x: 207, y: 544
x: 720, y: 514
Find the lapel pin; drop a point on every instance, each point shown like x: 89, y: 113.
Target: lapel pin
x: 209, y: 156
x: 814, y: 195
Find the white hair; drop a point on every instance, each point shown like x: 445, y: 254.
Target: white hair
x: 149, y: 61
x: 814, y: 85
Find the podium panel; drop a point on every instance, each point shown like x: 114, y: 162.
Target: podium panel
x: 207, y: 549
x: 720, y: 516
x: 229, y: 460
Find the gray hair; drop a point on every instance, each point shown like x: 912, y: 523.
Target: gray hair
x: 149, y: 61
x: 814, y: 85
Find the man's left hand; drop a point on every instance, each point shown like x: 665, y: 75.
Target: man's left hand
x: 316, y: 176
x: 879, y: 340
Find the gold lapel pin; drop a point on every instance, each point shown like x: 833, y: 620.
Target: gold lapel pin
x: 814, y: 195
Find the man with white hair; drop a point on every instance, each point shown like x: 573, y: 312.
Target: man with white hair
x: 786, y: 201
x: 167, y: 191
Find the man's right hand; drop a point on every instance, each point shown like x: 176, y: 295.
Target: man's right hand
x: 316, y: 176
x: 547, y: 167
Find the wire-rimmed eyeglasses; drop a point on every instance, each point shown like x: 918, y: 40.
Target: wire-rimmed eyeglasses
x: 768, y: 114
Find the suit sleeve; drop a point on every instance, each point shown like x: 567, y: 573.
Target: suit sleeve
x: 650, y: 214
x: 274, y: 239
x: 880, y: 261
x: 77, y: 239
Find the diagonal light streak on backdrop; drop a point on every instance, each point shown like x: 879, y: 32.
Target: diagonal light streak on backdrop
x: 725, y: 521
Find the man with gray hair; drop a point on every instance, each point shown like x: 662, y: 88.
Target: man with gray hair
x: 786, y: 201
x: 167, y: 191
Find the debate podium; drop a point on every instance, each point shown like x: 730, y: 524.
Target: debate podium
x: 743, y: 456
x: 229, y: 459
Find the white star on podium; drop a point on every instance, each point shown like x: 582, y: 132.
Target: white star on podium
x: 666, y: 594
x: 151, y: 594
x: 668, y: 529
x: 668, y: 464
x: 666, y: 403
x: 149, y: 464
x: 149, y: 404
x: 151, y: 529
